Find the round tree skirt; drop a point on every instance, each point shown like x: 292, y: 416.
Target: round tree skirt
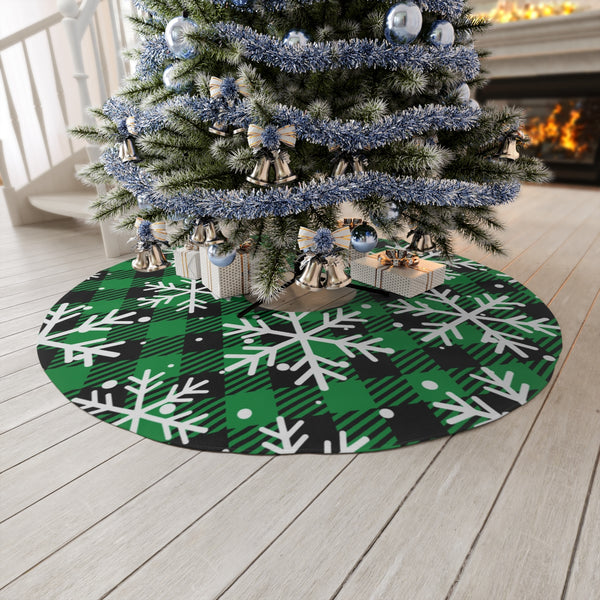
x: 159, y: 356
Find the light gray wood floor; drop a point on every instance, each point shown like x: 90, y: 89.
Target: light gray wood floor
x: 507, y: 511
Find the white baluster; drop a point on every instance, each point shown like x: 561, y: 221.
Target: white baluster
x: 60, y: 92
x: 119, y: 43
x: 14, y: 118
x: 36, y: 102
x: 75, y: 20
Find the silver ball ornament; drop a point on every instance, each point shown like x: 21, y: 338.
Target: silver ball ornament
x: 364, y: 238
x: 441, y: 34
x: 296, y: 37
x: 220, y: 258
x: 403, y: 23
x: 175, y: 36
x: 393, y: 212
x: 169, y: 78
x: 144, y: 205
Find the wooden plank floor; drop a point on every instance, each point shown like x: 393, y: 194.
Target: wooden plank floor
x: 509, y: 511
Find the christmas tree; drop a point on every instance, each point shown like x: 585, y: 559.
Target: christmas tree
x: 259, y: 117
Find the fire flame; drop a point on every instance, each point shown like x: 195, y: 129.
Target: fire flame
x: 560, y: 134
x: 508, y: 10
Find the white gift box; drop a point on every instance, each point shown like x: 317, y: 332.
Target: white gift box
x: 354, y: 254
x: 187, y: 263
x: 224, y: 282
x: 407, y: 281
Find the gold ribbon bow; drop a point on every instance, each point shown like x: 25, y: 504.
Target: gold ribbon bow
x: 159, y: 229
x: 215, y: 83
x: 397, y: 258
x: 287, y: 135
x: 341, y: 237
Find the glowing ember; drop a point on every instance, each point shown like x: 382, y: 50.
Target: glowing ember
x: 560, y: 131
x: 506, y: 11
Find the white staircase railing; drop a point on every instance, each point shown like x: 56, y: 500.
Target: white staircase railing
x: 43, y: 95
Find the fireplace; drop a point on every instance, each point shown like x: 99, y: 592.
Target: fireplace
x: 551, y: 68
x: 563, y: 120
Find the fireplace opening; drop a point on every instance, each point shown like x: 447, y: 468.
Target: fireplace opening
x: 563, y: 121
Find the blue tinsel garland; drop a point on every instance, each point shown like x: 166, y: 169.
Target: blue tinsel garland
x: 282, y: 201
x: 153, y: 56
x: 346, y: 54
x: 348, y: 136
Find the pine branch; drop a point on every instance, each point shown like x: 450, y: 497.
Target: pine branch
x: 113, y: 204
x: 94, y: 174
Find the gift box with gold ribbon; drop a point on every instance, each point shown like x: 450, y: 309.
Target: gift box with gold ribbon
x: 395, y: 271
x: 187, y: 261
x: 224, y: 282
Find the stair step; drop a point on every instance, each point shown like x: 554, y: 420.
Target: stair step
x: 69, y: 204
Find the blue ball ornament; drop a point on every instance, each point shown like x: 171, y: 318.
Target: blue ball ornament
x: 296, y: 37
x: 441, y: 34
x: 474, y: 104
x: 220, y: 258
x: 403, y: 23
x: 175, y: 36
x: 169, y: 78
x: 364, y: 238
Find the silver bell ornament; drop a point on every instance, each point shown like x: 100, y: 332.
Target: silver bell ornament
x: 364, y: 238
x: 463, y: 93
x: 212, y: 237
x: 158, y: 260
x: 142, y: 261
x: 175, y: 35
x: 198, y: 236
x: 421, y: 241
x: 283, y: 173
x: 358, y: 166
x: 219, y: 129
x: 403, y: 23
x: 510, y: 145
x: 335, y: 275
x: 127, y: 151
x: 310, y: 276
x: 260, y: 173
x: 220, y: 257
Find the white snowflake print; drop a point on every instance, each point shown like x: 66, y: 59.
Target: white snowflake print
x: 502, y: 386
x: 317, y: 367
x: 162, y: 412
x: 345, y: 447
x: 185, y: 296
x: 487, y: 310
x: 464, y: 410
x: 284, y: 435
x: 85, y: 350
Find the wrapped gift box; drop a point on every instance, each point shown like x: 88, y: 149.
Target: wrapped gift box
x: 354, y: 254
x: 187, y: 263
x: 224, y: 282
x: 407, y: 281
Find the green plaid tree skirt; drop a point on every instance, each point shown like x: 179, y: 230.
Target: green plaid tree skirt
x: 157, y: 355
